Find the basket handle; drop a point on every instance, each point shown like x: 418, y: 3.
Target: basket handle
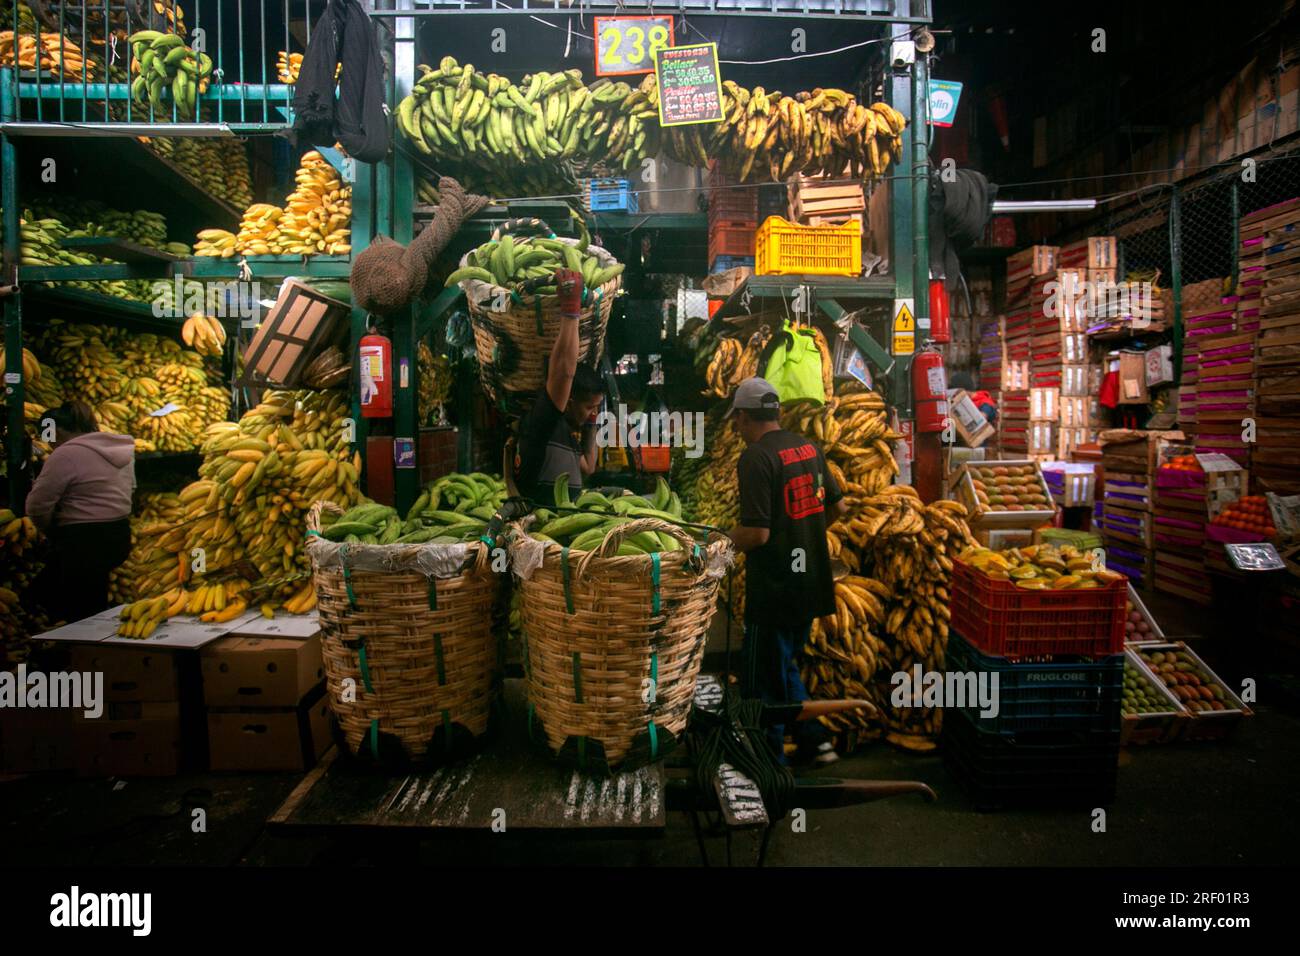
x: 314, y: 522
x: 614, y: 537
x: 528, y: 224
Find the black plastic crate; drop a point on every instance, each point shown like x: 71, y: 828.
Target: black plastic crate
x: 1066, y: 694
x: 1070, y: 769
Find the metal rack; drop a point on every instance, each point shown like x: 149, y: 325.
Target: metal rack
x: 243, y: 100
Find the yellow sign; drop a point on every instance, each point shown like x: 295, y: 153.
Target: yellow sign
x: 903, y: 320
x: 904, y: 344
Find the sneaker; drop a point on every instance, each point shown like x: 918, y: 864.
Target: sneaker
x: 824, y: 755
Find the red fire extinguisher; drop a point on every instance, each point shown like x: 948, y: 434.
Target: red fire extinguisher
x: 939, y: 328
x: 376, y: 354
x: 929, y: 391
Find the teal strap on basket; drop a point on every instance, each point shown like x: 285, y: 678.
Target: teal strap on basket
x: 514, y: 297
x: 654, y: 674
x: 488, y: 540
x: 577, y: 676
x: 654, y: 740
x: 566, y: 576
x: 433, y: 593
x: 347, y: 578
x: 446, y: 729
x: 438, y: 658
x: 364, y: 663
x: 654, y: 580
x: 374, y: 738
x: 315, y: 534
x: 537, y: 314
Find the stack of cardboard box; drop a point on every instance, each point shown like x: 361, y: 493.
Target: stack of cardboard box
x: 266, y: 704
x: 1026, y: 265
x: 139, y: 733
x: 1275, y: 456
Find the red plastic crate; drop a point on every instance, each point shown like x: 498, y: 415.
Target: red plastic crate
x: 1002, y: 619
x: 726, y: 240
x: 656, y: 459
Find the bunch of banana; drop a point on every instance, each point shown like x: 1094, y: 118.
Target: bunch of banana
x: 210, y: 406
x: 425, y: 522
x: 843, y: 649
x: 216, y: 243
x: 287, y: 66
x: 204, y: 333
x: 149, y: 570
x: 45, y: 390
x: 1041, y: 567
x: 732, y: 363
x: 259, y: 230
x: 456, y: 113
x: 21, y: 549
x: 854, y: 433
x: 31, y: 367
x: 55, y: 53
x: 426, y: 191
x: 16, y: 533
x: 318, y: 213
x: 581, y: 525
x: 170, y: 431
x: 219, y: 166
x: 435, y: 382
x: 529, y: 264
x: 328, y: 370
x: 163, y: 61
x: 769, y: 136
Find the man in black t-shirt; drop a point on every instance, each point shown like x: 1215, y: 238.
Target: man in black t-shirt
x: 571, y: 396
x: 785, y: 493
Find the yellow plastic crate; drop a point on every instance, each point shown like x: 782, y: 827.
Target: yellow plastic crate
x: 787, y: 248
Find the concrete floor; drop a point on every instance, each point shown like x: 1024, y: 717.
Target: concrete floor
x: 1219, y: 803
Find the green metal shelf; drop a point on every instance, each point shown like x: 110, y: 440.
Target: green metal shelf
x: 841, y: 289
x: 96, y: 306
x: 266, y: 267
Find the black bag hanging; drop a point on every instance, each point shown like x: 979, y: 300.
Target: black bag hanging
x: 357, y: 119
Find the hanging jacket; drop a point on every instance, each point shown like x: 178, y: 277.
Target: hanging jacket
x: 357, y: 119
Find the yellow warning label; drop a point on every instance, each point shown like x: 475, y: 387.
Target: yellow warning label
x: 903, y: 320
x: 904, y: 344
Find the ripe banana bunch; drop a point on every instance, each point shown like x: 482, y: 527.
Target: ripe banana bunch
x: 844, y: 649
x: 769, y: 136
x: 328, y: 369
x: 732, y: 363
x: 216, y: 243
x: 171, y: 431
x: 55, y: 52
x: 287, y: 66
x: 148, y: 571
x: 435, y: 382
x: 20, y: 564
x: 163, y: 61
x: 16, y: 533
x: 31, y: 367
x: 259, y: 232
x: 204, y: 333
x: 855, y: 437
x: 456, y: 113
x: 318, y: 213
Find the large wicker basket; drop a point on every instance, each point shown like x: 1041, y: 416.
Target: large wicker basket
x: 411, y: 661
x: 614, y: 644
x: 514, y: 332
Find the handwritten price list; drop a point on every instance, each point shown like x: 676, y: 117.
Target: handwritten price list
x: 689, y: 87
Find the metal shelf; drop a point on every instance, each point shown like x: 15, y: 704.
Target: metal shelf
x: 119, y: 250
x: 863, y: 10
x: 266, y: 267
x: 841, y: 289
x: 94, y: 307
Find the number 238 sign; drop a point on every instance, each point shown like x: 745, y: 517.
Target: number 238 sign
x: 627, y: 44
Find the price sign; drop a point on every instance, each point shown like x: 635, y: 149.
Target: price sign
x: 690, y: 88
x: 628, y: 44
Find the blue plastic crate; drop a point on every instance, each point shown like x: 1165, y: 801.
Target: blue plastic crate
x: 611, y: 195
x: 723, y: 263
x: 1046, y: 769
x: 1063, y: 695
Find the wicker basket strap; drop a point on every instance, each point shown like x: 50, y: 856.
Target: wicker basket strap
x: 654, y: 699
x: 363, y: 662
x: 654, y: 583
x: 439, y: 660
x: 577, y: 677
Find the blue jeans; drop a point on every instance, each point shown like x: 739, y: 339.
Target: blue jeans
x: 769, y: 671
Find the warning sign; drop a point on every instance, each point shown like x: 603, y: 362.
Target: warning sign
x: 904, y: 327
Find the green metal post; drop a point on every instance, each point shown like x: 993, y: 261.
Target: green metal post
x: 1176, y: 276
x: 15, y: 388
x: 899, y: 93
x: 398, y: 198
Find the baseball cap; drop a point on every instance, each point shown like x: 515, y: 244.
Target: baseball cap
x: 754, y: 393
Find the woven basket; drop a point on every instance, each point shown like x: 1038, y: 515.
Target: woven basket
x: 598, y: 630
x: 411, y: 627
x: 513, y: 344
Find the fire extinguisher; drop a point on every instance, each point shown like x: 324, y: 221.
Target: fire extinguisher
x: 376, y: 354
x: 929, y: 390
x: 940, y: 331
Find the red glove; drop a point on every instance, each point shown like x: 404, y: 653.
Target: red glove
x: 568, y: 286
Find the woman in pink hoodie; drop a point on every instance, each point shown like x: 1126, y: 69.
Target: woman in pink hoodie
x: 82, y: 499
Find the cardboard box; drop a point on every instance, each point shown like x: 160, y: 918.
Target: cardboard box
x: 970, y: 422
x: 1160, y: 365
x: 1133, y: 379
x: 269, y: 739
x: 35, y: 739
x: 146, y: 747
x: 260, y: 672
x: 130, y: 674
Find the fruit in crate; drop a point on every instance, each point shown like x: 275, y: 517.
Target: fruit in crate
x: 1140, y: 695
x: 1009, y: 488
x: 1182, y: 463
x: 1187, y: 679
x: 1041, y: 567
x: 1136, y: 627
x: 1249, y: 513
